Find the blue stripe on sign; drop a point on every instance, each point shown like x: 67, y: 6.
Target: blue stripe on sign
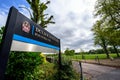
x: 28, y: 40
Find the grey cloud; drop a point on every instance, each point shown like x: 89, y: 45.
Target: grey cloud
x: 81, y: 42
x: 73, y: 28
x: 72, y: 16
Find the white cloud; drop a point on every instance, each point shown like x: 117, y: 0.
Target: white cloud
x: 3, y: 18
x: 74, y: 20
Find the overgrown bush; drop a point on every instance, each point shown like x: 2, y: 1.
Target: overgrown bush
x: 21, y: 65
x: 66, y: 72
x: 45, y: 71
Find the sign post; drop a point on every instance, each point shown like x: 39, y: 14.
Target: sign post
x: 6, y: 41
x: 59, y: 57
x: 22, y: 34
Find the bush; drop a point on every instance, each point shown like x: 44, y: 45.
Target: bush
x: 45, y: 71
x: 21, y: 65
x: 66, y: 72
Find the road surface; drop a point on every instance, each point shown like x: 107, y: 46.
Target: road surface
x: 98, y: 72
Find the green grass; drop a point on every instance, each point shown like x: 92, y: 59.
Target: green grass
x: 88, y: 56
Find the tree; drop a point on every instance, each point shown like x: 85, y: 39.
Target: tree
x: 99, y: 38
x: 109, y: 11
x: 69, y: 52
x: 112, y: 38
x: 39, y: 16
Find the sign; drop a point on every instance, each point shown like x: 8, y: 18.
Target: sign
x: 28, y: 36
x: 22, y: 34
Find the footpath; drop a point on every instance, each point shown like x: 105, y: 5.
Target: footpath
x: 99, y: 70
x: 105, y: 62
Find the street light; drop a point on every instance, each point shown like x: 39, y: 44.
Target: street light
x: 27, y: 10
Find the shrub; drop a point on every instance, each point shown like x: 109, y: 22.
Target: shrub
x: 66, y: 72
x: 21, y: 65
x: 45, y: 71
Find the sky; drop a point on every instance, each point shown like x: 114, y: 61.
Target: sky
x: 73, y: 21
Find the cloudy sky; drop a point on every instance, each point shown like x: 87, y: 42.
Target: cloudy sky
x: 74, y: 20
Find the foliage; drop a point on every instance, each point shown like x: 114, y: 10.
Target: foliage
x: 66, y: 72
x: 109, y: 20
x: 100, y: 51
x: 99, y: 36
x: 1, y: 32
x: 44, y: 71
x: 109, y: 11
x: 39, y: 15
x: 97, y: 51
x: 44, y: 57
x: 69, y: 52
x: 21, y: 65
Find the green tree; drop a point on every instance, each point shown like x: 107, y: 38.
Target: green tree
x: 109, y: 11
x: 38, y: 13
x: 113, y: 38
x: 99, y: 51
x: 69, y: 52
x: 99, y: 36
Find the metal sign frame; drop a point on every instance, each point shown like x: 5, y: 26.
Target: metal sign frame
x: 10, y: 33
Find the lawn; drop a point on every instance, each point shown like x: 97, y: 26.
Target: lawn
x: 88, y: 56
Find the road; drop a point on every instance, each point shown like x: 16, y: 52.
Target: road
x: 98, y: 72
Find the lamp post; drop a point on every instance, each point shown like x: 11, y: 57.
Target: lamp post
x: 27, y: 10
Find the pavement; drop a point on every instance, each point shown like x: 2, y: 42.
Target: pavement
x: 97, y: 72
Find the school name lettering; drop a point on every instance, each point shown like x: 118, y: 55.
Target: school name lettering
x: 42, y: 34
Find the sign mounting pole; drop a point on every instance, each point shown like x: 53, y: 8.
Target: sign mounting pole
x: 60, y: 56
x: 59, y: 61
x: 7, y: 40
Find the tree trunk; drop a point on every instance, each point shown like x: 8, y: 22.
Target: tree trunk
x: 105, y: 48
x: 116, y: 51
x: 106, y: 51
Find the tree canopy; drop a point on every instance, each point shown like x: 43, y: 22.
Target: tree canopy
x: 109, y: 11
x: 107, y: 29
x: 99, y: 36
x: 38, y: 12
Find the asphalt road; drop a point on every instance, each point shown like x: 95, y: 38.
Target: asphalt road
x: 98, y: 72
